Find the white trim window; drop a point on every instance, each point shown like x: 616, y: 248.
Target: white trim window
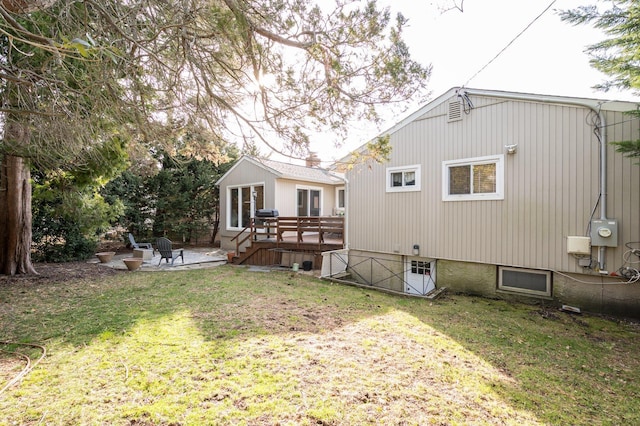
x: 403, y: 179
x: 340, y: 201
x: 479, y: 178
x: 242, y: 203
x: 309, y: 201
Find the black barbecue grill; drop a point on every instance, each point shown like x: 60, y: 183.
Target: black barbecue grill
x: 266, y: 213
x: 263, y: 215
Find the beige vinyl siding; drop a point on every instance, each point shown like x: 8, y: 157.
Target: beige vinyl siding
x: 287, y: 196
x: 624, y: 183
x: 279, y: 194
x: 246, y: 173
x: 551, y: 185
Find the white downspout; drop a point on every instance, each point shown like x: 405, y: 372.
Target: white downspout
x: 603, y: 183
x: 345, y: 235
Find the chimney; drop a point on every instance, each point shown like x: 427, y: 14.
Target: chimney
x: 313, y: 160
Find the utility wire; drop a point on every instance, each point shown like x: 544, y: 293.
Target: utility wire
x: 510, y: 43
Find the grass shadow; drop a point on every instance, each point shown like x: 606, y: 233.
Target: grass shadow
x: 228, y: 346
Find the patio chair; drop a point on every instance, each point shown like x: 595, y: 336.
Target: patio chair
x: 140, y: 245
x: 166, y: 252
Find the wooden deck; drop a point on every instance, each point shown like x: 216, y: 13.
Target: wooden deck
x: 287, y: 240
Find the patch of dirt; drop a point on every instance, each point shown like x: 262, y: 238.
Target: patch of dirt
x: 547, y: 313
x: 49, y: 273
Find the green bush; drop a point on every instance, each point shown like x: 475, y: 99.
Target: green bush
x: 64, y: 243
x: 67, y: 222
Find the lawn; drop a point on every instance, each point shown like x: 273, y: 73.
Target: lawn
x: 226, y: 346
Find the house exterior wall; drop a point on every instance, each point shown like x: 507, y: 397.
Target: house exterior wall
x: 287, y: 200
x: 551, y: 188
x: 279, y: 194
x: 245, y: 173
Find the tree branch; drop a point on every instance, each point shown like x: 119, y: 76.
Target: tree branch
x: 25, y: 6
x: 16, y: 25
x: 233, y: 6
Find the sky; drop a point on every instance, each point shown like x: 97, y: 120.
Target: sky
x: 548, y: 58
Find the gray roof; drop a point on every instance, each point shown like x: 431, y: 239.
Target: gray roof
x: 297, y: 172
x: 291, y: 171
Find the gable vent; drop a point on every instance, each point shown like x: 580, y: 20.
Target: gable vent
x: 455, y: 110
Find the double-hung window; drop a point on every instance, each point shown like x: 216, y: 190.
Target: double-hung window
x: 480, y: 178
x: 403, y: 179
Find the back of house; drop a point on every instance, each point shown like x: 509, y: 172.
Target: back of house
x: 504, y: 194
x: 291, y: 190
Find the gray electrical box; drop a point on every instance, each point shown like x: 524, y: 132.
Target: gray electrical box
x: 604, y: 232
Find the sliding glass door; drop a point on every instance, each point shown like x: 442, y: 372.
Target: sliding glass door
x: 309, y: 202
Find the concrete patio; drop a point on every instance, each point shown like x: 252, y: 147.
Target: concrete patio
x: 194, y: 258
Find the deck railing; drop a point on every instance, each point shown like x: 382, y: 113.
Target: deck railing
x: 279, y: 229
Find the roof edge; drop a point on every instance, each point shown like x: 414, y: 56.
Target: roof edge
x: 595, y: 104
x: 252, y: 160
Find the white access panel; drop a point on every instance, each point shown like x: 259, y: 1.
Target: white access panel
x: 420, y: 276
x: 578, y: 245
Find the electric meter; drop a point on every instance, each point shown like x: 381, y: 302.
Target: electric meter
x: 604, y: 232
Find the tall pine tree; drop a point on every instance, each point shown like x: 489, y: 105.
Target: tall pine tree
x: 618, y: 55
x: 245, y: 69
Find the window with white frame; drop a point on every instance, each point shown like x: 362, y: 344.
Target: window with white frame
x: 420, y: 267
x: 403, y: 179
x: 309, y: 201
x: 340, y: 197
x: 242, y: 202
x: 479, y: 178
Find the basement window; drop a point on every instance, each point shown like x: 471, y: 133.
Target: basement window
x: 403, y: 179
x: 420, y: 267
x: 533, y: 282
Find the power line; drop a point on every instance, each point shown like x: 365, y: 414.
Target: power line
x: 511, y: 42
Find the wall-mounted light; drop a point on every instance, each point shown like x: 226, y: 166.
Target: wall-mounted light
x: 511, y: 149
x: 416, y: 249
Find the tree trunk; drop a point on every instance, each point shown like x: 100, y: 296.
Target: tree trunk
x: 216, y: 223
x: 15, y: 217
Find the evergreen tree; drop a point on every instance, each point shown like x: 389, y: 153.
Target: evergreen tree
x: 186, y: 197
x: 617, y: 55
x: 243, y: 69
x: 69, y: 214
